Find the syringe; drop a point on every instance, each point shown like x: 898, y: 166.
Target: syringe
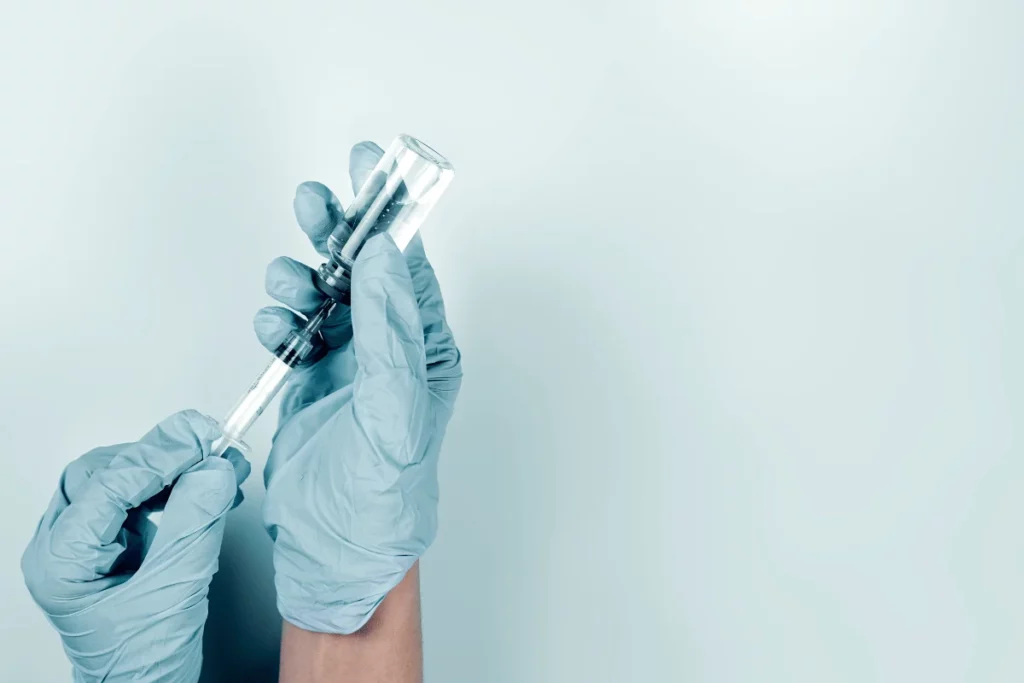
x: 396, y: 198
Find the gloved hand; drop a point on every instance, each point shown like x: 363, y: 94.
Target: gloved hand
x: 121, y: 620
x: 351, y: 479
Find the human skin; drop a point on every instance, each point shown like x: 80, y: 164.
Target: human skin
x: 388, y: 649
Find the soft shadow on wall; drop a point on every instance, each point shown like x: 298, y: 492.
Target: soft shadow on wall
x: 243, y: 632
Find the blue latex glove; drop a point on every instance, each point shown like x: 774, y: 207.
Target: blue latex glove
x: 352, y: 475
x: 123, y: 617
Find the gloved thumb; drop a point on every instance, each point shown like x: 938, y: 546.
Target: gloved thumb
x: 388, y: 333
x: 192, y: 526
x: 390, y: 394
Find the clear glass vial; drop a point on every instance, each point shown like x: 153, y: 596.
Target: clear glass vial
x: 396, y: 198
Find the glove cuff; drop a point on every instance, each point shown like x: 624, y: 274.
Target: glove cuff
x: 323, y: 607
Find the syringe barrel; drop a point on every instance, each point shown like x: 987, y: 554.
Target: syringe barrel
x: 396, y: 198
x: 256, y: 398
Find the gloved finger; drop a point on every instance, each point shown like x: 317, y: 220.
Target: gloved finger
x: 390, y: 396
x: 199, y: 499
x: 444, y: 362
x: 291, y: 283
x: 147, y: 529
x: 361, y: 160
x: 88, y: 537
x: 72, y: 479
x: 80, y: 470
x: 318, y: 211
x: 241, y: 466
x: 272, y: 325
x: 75, y: 476
x: 242, y: 471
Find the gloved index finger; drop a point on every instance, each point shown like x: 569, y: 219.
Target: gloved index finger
x: 318, y: 212
x: 292, y: 283
x: 361, y: 161
x: 88, y: 535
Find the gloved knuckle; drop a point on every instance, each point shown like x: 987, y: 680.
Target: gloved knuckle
x: 79, y: 471
x: 444, y: 363
x: 36, y: 583
x: 44, y: 585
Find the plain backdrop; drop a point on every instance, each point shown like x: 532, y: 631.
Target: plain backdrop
x: 737, y: 284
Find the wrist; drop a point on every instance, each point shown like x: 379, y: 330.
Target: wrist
x: 388, y: 647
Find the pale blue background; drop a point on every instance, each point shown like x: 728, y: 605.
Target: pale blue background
x: 738, y: 287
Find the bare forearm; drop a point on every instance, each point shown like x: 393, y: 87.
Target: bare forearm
x: 389, y: 649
